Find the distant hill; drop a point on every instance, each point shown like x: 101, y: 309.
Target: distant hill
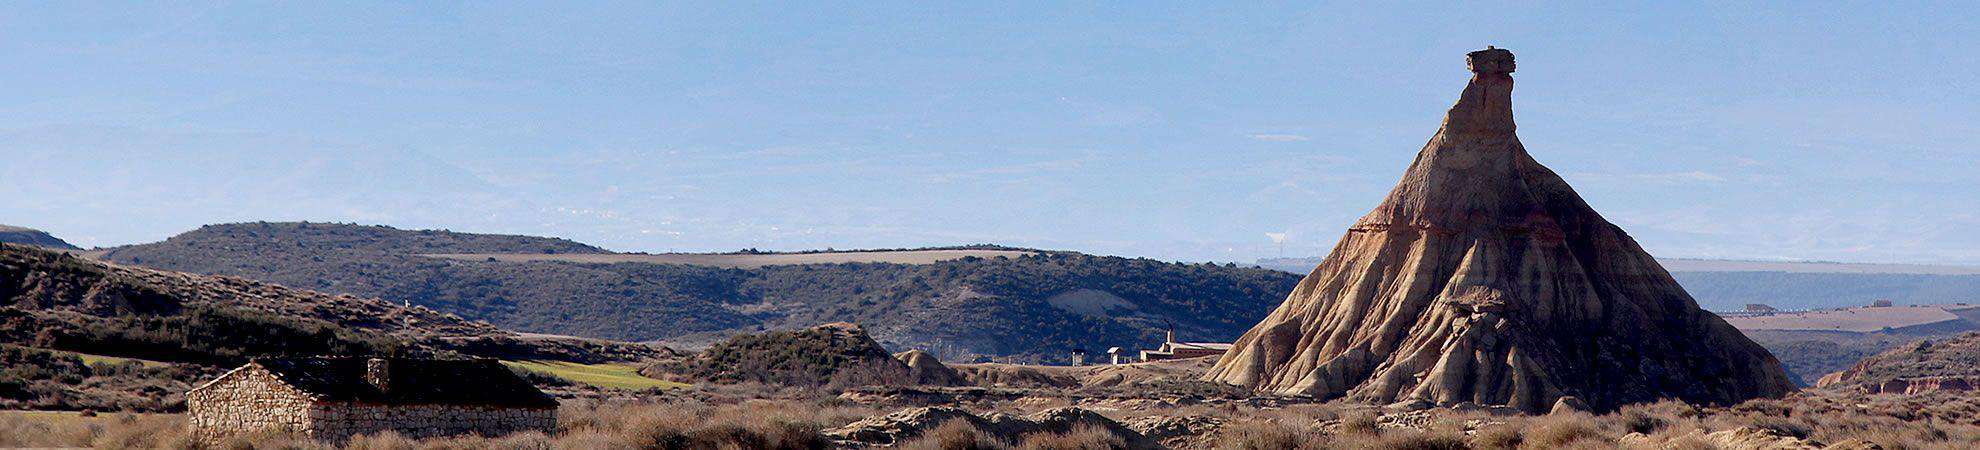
x: 1024, y: 305
x: 1951, y: 363
x: 1812, y: 344
x: 62, y: 302
x: 1728, y: 285
x: 10, y: 234
x: 77, y: 333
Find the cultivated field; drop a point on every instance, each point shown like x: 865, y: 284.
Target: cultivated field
x: 742, y: 260
x: 1860, y: 320
x: 1720, y: 265
x: 615, y: 376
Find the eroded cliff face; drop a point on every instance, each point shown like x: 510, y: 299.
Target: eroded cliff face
x: 1951, y: 364
x: 1484, y: 278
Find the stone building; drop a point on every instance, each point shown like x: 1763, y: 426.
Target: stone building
x: 332, y: 399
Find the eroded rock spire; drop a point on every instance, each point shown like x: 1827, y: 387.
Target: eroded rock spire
x: 1484, y: 278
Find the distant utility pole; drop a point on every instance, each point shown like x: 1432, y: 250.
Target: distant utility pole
x: 1280, y: 239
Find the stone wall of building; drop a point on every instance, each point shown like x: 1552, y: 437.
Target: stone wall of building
x: 244, y: 401
x: 337, y: 421
x: 251, y: 399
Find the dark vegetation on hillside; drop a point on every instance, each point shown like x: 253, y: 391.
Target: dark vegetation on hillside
x: 28, y: 236
x: 41, y: 379
x: 839, y: 353
x: 959, y: 309
x: 53, y: 300
x: 57, y: 301
x: 1808, y: 355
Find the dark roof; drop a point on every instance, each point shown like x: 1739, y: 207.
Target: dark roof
x: 458, y: 382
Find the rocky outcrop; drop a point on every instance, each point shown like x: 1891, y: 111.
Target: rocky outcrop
x: 1743, y: 438
x: 1178, y: 431
x: 1484, y: 278
x: 905, y: 425
x: 1924, y: 366
x: 927, y: 370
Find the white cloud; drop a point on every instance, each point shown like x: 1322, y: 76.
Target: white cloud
x: 1280, y: 137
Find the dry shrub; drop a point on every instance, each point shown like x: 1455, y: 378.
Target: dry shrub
x: 1497, y: 437
x: 587, y: 440
x: 1421, y: 441
x: 383, y: 440
x: 1264, y: 435
x: 1082, y: 438
x: 271, y: 440
x: 1561, y: 431
x: 955, y: 434
x: 528, y: 440
x: 695, y: 425
x: 149, y: 431
x: 1783, y: 425
x: 1360, y: 422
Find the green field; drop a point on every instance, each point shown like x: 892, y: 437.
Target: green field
x: 89, y: 359
x: 615, y: 376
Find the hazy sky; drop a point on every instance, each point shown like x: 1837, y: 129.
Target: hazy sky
x: 1172, y: 131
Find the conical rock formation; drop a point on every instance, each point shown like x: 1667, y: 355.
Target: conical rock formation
x: 1484, y: 278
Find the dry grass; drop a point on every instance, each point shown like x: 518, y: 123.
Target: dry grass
x: 742, y: 420
x: 955, y: 435
x: 116, y: 431
x: 1082, y: 438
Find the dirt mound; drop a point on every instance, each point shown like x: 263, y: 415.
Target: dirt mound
x: 927, y: 370
x: 1484, y: 278
x: 831, y: 353
x: 905, y: 425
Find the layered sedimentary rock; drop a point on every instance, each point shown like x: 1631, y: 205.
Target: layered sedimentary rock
x: 1484, y: 278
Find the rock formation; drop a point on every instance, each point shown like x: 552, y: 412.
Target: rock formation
x: 1952, y: 364
x: 925, y: 369
x: 1484, y: 278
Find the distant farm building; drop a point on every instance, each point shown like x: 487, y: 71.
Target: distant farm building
x: 333, y: 399
x: 1171, y: 349
x: 1881, y: 304
x: 1185, y: 350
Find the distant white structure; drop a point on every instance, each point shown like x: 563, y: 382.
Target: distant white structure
x: 1183, y: 350
x: 1078, y: 357
x: 1116, y: 353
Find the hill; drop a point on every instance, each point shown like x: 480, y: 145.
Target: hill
x: 28, y: 236
x: 1951, y: 364
x: 1030, y: 307
x: 839, y: 353
x: 77, y: 333
x: 1812, y: 344
x: 58, y: 301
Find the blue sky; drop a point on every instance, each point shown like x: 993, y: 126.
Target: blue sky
x: 1168, y: 130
